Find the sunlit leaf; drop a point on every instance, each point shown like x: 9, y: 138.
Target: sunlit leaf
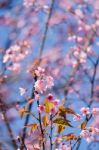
x: 70, y: 111
x: 62, y: 121
x: 70, y: 137
x: 60, y: 128
x: 45, y: 120
x: 32, y: 126
x: 22, y: 111
x: 83, y: 125
x: 63, y: 111
x: 48, y: 106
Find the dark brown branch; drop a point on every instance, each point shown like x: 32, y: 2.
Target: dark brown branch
x: 8, y: 125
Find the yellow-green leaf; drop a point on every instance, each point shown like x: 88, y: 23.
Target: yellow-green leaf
x: 69, y: 111
x: 48, y: 106
x: 60, y: 128
x: 22, y: 111
x: 45, y: 121
x: 32, y: 126
x: 61, y: 111
x: 62, y: 121
x: 69, y: 137
x: 83, y: 125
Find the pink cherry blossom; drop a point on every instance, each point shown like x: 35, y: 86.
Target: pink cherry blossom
x: 95, y: 111
x: 94, y: 131
x: 40, y: 72
x: 77, y: 117
x: 56, y: 102
x: 43, y: 83
x: 49, y: 81
x: 14, y: 67
x: 53, y: 110
x: 65, y: 147
x: 87, y: 135
x: 40, y: 86
x: 41, y: 108
x: 50, y: 97
x: 85, y: 110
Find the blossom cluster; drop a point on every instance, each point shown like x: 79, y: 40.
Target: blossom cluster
x: 89, y: 133
x: 50, y: 98
x: 15, y: 54
x: 43, y: 82
x: 85, y: 111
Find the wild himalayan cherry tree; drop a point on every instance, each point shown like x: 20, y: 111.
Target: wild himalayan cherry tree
x: 49, y: 75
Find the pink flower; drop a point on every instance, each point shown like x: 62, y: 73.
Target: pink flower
x: 40, y: 72
x: 77, y: 117
x: 40, y: 86
x: 36, y: 147
x: 94, y: 130
x: 41, y: 108
x: 49, y: 81
x: 56, y: 102
x: 89, y: 139
x: 84, y: 110
x: 53, y: 110
x: 65, y: 147
x: 50, y: 97
x: 87, y: 135
x: 95, y: 111
x: 43, y: 83
x: 15, y: 67
x: 22, y: 91
x: 37, y: 96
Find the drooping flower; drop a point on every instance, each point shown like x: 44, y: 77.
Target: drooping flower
x: 77, y: 117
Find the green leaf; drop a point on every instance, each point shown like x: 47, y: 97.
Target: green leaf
x: 62, y: 121
x: 48, y: 106
x: 83, y: 125
x: 70, y: 111
x: 45, y: 121
x: 63, y: 111
x: 60, y: 128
